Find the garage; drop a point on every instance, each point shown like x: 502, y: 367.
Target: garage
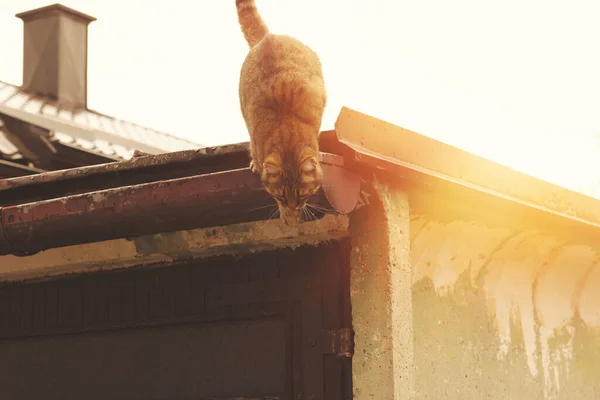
x: 268, y: 325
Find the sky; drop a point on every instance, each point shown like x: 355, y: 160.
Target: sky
x: 515, y: 81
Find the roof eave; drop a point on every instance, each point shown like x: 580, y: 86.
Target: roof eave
x: 385, y: 146
x: 210, y: 199
x: 363, y: 145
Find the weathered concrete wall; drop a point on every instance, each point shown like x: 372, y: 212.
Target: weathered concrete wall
x: 380, y: 291
x: 501, y: 313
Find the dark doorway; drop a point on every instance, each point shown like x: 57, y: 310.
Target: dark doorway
x: 263, y: 326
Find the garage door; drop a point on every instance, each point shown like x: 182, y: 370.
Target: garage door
x: 273, y: 325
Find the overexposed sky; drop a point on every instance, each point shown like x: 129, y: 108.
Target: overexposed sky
x: 515, y: 81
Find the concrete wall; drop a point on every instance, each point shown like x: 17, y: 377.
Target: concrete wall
x: 459, y: 300
x: 380, y: 292
x: 502, y: 313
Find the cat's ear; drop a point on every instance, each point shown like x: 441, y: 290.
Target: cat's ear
x: 308, y: 165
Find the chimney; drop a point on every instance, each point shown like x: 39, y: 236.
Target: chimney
x: 55, y: 54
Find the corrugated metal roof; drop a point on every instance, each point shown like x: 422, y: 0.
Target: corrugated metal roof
x: 99, y: 146
x: 87, y: 129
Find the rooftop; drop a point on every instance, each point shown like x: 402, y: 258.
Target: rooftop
x: 46, y: 124
x: 213, y: 186
x: 83, y: 128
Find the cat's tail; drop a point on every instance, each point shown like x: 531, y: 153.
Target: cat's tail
x: 253, y: 26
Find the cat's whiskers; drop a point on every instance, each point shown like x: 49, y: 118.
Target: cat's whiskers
x: 322, y: 209
x: 304, y: 214
x: 271, y: 216
x: 261, y: 207
x: 317, y: 221
x: 274, y: 213
x: 310, y: 213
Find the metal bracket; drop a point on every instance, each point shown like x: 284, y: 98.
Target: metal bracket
x: 340, y: 342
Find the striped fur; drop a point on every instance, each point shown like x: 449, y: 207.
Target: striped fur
x: 282, y: 99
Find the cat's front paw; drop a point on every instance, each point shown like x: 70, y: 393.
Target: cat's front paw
x: 254, y: 168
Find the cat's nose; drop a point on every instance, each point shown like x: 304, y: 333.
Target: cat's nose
x: 292, y: 205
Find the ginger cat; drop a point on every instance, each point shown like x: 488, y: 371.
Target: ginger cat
x: 282, y: 98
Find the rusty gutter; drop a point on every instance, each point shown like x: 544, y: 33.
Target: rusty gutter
x: 186, y: 203
x: 200, y: 201
x: 428, y: 177
x: 367, y: 141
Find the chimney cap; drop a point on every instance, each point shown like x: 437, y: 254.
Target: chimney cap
x: 54, y: 8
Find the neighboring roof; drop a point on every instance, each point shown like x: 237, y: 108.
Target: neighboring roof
x: 87, y: 129
x: 213, y: 186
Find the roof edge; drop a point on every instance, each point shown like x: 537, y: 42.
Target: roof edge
x: 176, y: 204
x: 137, y: 170
x: 388, y: 146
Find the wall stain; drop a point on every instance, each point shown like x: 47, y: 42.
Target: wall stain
x: 502, y: 302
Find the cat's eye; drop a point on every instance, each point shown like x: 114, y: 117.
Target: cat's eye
x: 271, y: 169
x: 309, y: 165
x: 305, y: 194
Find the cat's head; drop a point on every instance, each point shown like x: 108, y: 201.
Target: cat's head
x: 291, y: 178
